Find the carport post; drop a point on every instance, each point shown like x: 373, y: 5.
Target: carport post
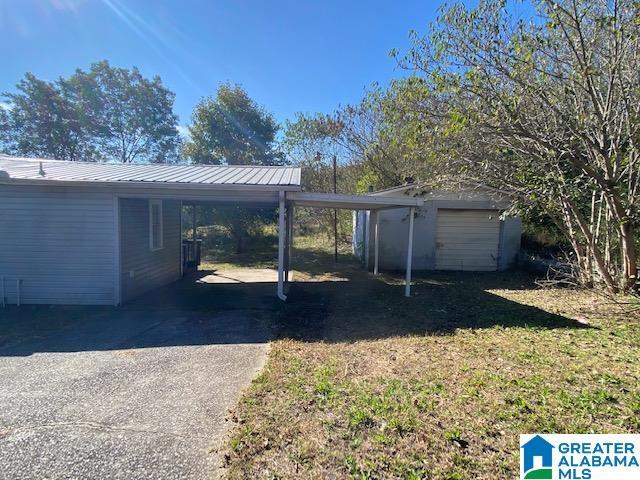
x: 281, y: 238
x: 289, y: 241
x: 376, y: 242
x: 367, y: 238
x: 407, y: 285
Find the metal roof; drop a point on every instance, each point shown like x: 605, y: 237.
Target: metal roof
x: 44, y: 170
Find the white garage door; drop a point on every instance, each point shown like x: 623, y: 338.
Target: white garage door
x: 467, y: 240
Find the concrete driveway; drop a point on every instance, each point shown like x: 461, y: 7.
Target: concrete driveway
x: 140, y: 392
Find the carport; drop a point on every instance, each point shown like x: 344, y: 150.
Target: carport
x: 288, y: 200
x: 372, y: 204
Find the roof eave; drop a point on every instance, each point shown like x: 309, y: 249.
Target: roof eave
x: 150, y: 185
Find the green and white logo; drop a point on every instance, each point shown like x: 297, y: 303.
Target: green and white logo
x: 579, y: 457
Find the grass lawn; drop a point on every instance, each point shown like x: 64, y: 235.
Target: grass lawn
x: 364, y: 383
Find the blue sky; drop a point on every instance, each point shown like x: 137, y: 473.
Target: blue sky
x: 291, y: 56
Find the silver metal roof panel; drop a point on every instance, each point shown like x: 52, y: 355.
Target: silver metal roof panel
x: 20, y: 168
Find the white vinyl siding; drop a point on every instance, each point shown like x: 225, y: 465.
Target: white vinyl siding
x: 142, y: 268
x: 467, y: 240
x: 59, y: 243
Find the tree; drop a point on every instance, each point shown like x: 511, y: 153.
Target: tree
x: 106, y: 113
x: 385, y: 134
x: 5, y: 137
x: 41, y: 121
x: 231, y: 128
x: 312, y: 142
x: 133, y: 116
x: 379, y: 141
x: 546, y: 111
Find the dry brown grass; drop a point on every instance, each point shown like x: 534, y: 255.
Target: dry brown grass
x: 366, y: 384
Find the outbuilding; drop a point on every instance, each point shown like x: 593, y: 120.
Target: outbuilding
x: 464, y: 229
x: 104, y: 233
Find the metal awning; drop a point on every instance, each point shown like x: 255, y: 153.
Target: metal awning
x: 351, y: 202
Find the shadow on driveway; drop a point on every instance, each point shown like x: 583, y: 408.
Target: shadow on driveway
x: 221, y: 308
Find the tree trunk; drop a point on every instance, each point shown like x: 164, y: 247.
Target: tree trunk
x: 593, y: 247
x: 239, y: 242
x: 627, y: 243
x: 629, y: 257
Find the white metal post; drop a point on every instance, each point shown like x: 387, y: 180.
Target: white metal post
x: 407, y: 286
x: 367, y: 238
x: 376, y: 242
x: 289, y: 241
x: 281, y: 238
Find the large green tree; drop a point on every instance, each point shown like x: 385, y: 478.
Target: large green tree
x: 106, y: 113
x: 133, y: 115
x: 231, y: 128
x: 41, y: 120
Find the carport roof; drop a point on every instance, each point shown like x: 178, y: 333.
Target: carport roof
x: 352, y: 202
x: 31, y: 170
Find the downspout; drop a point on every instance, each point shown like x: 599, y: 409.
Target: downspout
x: 281, y: 237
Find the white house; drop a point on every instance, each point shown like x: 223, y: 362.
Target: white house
x: 454, y: 230
x: 102, y: 233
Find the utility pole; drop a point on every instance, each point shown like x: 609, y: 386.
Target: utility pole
x: 335, y: 210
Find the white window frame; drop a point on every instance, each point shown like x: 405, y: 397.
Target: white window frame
x: 160, y: 245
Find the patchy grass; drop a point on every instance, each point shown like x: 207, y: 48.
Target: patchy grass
x: 314, y: 259
x: 363, y: 383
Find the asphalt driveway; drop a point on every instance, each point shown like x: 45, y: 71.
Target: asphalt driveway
x: 138, y: 392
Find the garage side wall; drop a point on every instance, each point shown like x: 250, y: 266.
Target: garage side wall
x: 510, y: 238
x: 59, y: 242
x: 143, y: 269
x: 393, y: 232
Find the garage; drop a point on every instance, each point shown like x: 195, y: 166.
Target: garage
x: 456, y: 229
x: 467, y: 240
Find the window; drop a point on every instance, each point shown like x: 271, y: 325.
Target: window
x: 155, y: 224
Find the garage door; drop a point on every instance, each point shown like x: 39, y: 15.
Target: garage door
x: 467, y: 240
